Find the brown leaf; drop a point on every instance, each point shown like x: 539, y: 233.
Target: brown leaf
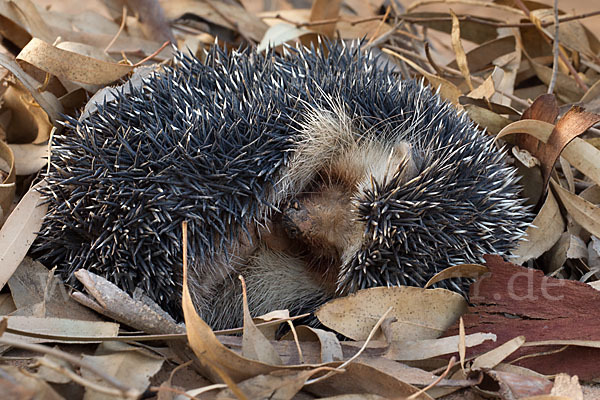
x: 8, y: 186
x: 544, y: 108
x: 360, y: 378
x: 420, y: 313
x: 517, y: 386
x: 574, y: 123
x: 70, y: 65
x: 331, y: 349
x: 325, y: 10
x: 483, y: 55
x: 20, y: 230
x: 278, y: 385
x: 255, y: 346
x: 459, y: 51
x: 544, y: 231
x: 458, y: 271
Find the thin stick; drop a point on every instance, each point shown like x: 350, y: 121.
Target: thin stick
x: 438, y: 380
x: 114, y: 39
x: 165, y: 44
x: 385, y: 17
x: 295, y: 334
x: 555, y: 50
x: 576, y: 76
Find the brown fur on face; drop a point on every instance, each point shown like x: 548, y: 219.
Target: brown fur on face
x: 321, y: 220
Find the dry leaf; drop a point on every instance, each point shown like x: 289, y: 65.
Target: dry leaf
x: 420, y: 313
x: 331, y: 350
x: 544, y: 231
x: 458, y: 271
x: 68, y: 329
x: 29, y: 158
x: 124, y: 362
x: 324, y: 10
x: 278, y: 385
x: 494, y: 357
x: 360, y: 378
x: 426, y: 349
x: 8, y: 186
x: 461, y: 58
x: 20, y: 230
x: 255, y: 346
x: 279, y: 34
x: 72, y: 66
x: 447, y: 90
x: 516, y: 386
x: 583, y: 212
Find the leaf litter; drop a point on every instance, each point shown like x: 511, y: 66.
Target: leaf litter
x: 494, y: 60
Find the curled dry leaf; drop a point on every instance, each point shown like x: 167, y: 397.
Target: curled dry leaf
x: 19, y: 231
x: 559, y: 137
x: 545, y: 230
x: 70, y: 65
x: 46, y: 100
x: 28, y: 122
x: 458, y: 271
x: 7, y: 187
x: 516, y: 386
x: 420, y: 313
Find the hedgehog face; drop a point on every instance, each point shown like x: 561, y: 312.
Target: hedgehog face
x: 321, y: 221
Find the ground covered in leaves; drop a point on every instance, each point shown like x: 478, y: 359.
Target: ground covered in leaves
x: 525, y: 333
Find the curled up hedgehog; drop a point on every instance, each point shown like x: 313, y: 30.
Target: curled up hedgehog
x: 312, y: 174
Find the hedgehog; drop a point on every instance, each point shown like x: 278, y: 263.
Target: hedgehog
x: 312, y: 173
